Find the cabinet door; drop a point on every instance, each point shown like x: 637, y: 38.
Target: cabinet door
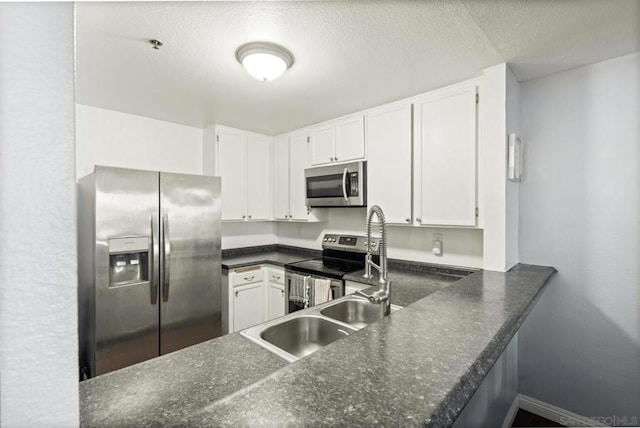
x: 276, y: 300
x: 232, y: 168
x: 248, y: 306
x: 258, y: 178
x: 389, y: 162
x: 447, y: 158
x: 281, y: 177
x: 299, y: 161
x: 322, y: 147
x: 349, y: 138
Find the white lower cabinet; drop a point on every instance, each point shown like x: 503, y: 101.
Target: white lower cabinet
x: 275, y: 299
x: 248, y: 306
x: 274, y: 281
x: 256, y: 295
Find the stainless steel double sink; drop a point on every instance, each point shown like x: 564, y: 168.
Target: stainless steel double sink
x: 299, y: 334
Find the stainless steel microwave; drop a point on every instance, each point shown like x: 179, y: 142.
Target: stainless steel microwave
x: 342, y: 185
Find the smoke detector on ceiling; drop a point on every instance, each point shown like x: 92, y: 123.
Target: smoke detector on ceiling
x: 156, y: 44
x: 263, y: 60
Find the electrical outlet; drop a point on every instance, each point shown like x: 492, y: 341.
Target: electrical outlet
x: 437, y: 244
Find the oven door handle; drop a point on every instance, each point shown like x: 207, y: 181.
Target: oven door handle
x: 344, y: 185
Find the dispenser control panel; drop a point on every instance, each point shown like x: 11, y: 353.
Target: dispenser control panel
x: 128, y: 261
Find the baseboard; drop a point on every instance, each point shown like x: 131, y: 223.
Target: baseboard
x: 554, y: 413
x: 511, y: 414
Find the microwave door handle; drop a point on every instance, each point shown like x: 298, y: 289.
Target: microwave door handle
x: 344, y: 185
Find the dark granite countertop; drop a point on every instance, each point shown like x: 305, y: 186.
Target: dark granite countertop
x: 413, y: 281
x: 170, y: 388
x: 279, y: 255
x: 418, y: 366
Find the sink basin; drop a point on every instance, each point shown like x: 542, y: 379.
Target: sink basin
x: 303, y: 335
x: 355, y: 311
x: 299, y: 334
x: 358, y: 313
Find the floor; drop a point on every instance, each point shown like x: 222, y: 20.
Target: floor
x: 527, y: 419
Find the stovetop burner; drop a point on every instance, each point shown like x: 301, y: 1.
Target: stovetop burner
x: 326, y: 266
x: 342, y: 254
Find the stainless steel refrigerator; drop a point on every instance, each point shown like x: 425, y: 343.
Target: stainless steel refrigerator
x: 149, y: 265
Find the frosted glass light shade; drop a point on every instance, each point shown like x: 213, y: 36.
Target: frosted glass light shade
x: 264, y: 61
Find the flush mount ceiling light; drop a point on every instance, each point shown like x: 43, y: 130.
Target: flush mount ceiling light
x: 263, y: 60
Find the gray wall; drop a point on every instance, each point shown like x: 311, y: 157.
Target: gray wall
x: 490, y: 404
x: 38, y: 281
x: 580, y: 212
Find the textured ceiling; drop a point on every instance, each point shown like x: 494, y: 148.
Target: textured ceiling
x: 349, y: 55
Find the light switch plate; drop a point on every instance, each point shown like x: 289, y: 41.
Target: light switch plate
x: 437, y: 244
x: 515, y: 157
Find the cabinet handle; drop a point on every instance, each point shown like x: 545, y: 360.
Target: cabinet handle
x: 237, y: 293
x: 331, y: 159
x: 244, y: 216
x: 335, y: 159
x: 290, y: 216
x: 275, y: 278
x: 249, y: 216
x: 408, y: 220
x: 286, y: 216
x: 419, y: 220
x: 282, y: 291
x: 250, y: 278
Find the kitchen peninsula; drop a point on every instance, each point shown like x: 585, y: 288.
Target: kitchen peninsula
x: 419, y: 366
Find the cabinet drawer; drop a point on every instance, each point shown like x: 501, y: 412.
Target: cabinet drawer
x: 247, y: 275
x: 275, y: 276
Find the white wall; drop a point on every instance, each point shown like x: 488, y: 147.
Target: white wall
x: 580, y: 212
x: 237, y: 235
x: 462, y: 247
x: 499, y: 116
x: 38, y: 279
x: 111, y: 138
x: 512, y: 188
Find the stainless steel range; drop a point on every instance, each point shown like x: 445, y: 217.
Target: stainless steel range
x: 315, y: 281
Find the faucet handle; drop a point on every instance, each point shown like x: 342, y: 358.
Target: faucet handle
x: 366, y: 296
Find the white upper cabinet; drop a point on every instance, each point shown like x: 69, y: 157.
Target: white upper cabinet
x: 337, y: 141
x: 259, y: 178
x: 290, y: 160
x: 298, y: 161
x: 243, y: 161
x: 281, y: 171
x: 389, y: 161
x: 445, y: 157
x: 322, y: 144
x: 349, y: 138
x: 232, y: 167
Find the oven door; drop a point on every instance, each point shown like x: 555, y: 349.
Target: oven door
x: 299, y: 290
x: 336, y: 185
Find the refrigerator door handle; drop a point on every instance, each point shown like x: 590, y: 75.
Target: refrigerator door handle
x: 166, y: 259
x: 154, y: 265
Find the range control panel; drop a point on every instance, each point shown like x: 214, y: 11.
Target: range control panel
x: 353, y: 243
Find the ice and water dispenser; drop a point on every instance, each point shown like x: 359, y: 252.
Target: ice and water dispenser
x: 128, y: 260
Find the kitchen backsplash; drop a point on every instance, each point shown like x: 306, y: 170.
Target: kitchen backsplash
x: 461, y: 247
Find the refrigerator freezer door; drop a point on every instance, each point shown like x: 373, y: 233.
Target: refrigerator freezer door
x: 190, y: 277
x: 126, y: 312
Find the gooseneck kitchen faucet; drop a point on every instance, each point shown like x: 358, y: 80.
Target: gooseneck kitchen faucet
x: 382, y: 296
